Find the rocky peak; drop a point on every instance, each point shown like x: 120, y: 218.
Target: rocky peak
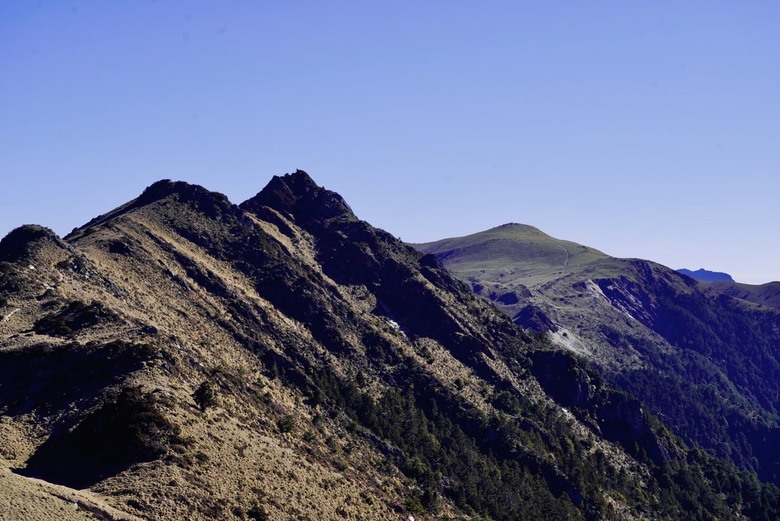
x: 163, y: 188
x: 213, y: 204
x: 298, y: 195
x: 20, y: 243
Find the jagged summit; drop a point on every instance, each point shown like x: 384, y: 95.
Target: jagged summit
x: 212, y: 204
x: 166, y: 187
x: 297, y: 194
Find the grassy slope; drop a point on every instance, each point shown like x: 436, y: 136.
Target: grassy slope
x: 641, y: 323
x: 764, y: 294
x: 534, y: 257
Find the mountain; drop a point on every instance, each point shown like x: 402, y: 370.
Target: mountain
x: 721, y: 283
x: 183, y: 357
x: 704, y: 357
x: 762, y: 294
x: 706, y: 276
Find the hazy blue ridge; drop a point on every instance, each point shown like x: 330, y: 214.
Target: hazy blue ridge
x: 706, y: 275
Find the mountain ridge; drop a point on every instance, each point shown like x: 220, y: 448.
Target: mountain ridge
x: 283, y: 359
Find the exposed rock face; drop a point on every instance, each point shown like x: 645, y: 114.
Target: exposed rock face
x: 185, y: 357
x: 532, y: 318
x: 297, y: 196
x: 629, y: 297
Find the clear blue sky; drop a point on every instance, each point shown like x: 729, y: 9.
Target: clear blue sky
x: 644, y: 129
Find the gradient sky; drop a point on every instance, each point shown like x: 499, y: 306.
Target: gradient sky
x: 644, y: 129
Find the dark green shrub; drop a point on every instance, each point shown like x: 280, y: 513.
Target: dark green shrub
x: 205, y: 395
x: 287, y: 423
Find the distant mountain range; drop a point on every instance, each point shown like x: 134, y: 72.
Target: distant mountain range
x: 183, y: 357
x: 704, y: 357
x: 762, y: 294
x: 705, y: 275
x: 721, y: 283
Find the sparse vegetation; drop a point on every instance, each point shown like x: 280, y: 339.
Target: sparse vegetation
x: 206, y: 395
x: 287, y: 423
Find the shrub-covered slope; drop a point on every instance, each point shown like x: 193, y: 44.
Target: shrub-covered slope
x: 187, y: 358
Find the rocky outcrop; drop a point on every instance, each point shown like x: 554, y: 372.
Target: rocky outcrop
x: 21, y: 243
x: 534, y: 319
x: 298, y: 197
